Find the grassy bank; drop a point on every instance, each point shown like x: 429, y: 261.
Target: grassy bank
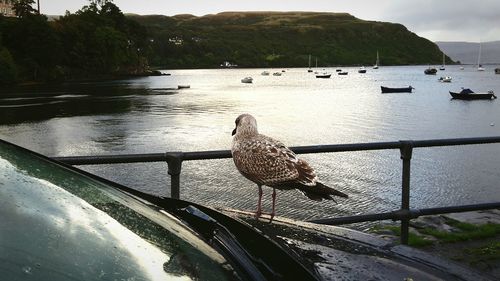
x: 476, y: 245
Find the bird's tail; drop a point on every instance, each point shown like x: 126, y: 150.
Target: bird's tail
x: 321, y: 191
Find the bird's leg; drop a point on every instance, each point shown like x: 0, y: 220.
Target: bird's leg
x: 274, y: 204
x: 259, y: 209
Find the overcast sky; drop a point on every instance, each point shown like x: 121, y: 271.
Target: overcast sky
x: 436, y: 20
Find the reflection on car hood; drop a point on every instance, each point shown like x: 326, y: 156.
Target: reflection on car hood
x: 62, y: 221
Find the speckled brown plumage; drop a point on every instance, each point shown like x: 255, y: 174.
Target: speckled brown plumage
x: 267, y: 161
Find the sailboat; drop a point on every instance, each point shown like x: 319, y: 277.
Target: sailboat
x: 309, y: 70
x: 442, y: 66
x: 376, y: 63
x: 479, y: 66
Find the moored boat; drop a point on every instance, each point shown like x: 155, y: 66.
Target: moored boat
x: 468, y: 94
x: 497, y: 70
x: 265, y: 73
x: 343, y: 73
x: 479, y: 65
x: 430, y: 71
x: 396, y: 90
x: 442, y: 65
x: 247, y: 80
x: 324, y: 75
x: 446, y: 79
x: 362, y: 70
x: 376, y: 62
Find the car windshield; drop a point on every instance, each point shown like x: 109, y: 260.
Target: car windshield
x: 57, y: 224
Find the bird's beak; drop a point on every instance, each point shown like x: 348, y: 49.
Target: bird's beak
x: 234, y: 132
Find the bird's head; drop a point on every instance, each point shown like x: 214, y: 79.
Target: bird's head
x: 245, y: 124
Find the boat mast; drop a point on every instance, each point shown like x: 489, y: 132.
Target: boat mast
x: 479, y: 56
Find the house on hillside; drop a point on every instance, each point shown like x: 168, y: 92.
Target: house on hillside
x: 6, y: 8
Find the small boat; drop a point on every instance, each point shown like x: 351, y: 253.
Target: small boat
x: 342, y: 73
x: 479, y: 65
x: 265, y: 73
x: 446, y: 79
x: 247, y: 80
x: 468, y: 94
x: 324, y: 75
x: 497, y: 70
x: 442, y: 66
x: 309, y: 70
x: 461, y: 68
x: 396, y: 90
x: 376, y: 63
x: 362, y: 70
x: 338, y: 70
x: 277, y: 74
x: 430, y: 71
x: 183, y: 87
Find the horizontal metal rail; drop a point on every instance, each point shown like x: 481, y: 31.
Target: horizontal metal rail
x: 405, y: 214
x: 223, y: 154
x: 410, y: 214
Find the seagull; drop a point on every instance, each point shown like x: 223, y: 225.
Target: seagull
x: 266, y: 161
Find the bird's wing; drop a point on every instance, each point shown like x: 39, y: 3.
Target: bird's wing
x: 269, y: 162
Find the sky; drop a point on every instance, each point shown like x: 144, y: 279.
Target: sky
x: 436, y: 20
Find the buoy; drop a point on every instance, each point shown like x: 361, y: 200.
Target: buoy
x: 492, y: 124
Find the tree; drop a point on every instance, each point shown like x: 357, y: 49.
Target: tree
x: 8, y: 68
x: 100, y: 40
x: 33, y: 44
x: 24, y: 8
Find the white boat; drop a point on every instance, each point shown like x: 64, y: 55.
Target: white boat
x: 461, y: 68
x: 442, y: 66
x: 479, y: 65
x: 376, y: 63
x: 265, y: 73
x: 309, y: 70
x: 362, y: 70
x: 446, y: 79
x: 247, y: 80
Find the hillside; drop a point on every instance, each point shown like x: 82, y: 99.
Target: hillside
x: 261, y: 39
x: 467, y: 52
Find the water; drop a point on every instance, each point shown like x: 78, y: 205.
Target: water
x: 148, y: 115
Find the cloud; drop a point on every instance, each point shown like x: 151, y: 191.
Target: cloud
x: 463, y: 20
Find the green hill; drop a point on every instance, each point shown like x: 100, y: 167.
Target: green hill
x: 281, y: 39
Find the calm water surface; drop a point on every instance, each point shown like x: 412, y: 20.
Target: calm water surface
x: 148, y: 115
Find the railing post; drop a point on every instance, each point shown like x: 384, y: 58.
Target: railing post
x: 406, y: 150
x: 174, y: 161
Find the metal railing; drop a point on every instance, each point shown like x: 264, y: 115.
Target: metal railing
x: 404, y: 214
